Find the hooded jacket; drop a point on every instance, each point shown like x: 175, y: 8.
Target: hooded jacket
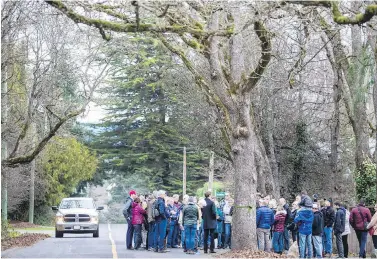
x: 329, y: 215
x: 340, y: 221
x: 306, y: 202
x: 265, y: 217
x: 318, y: 224
x: 279, y: 223
x: 304, y: 219
x: 137, y: 214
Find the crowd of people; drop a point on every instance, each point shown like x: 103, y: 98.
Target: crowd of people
x: 192, y: 224
x: 313, y: 224
x: 162, y: 223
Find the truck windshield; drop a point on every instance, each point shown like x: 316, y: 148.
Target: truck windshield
x: 75, y: 204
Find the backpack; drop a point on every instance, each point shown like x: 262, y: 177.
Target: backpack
x: 155, y: 210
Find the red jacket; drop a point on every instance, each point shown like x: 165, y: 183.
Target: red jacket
x: 355, y: 217
x: 279, y: 221
x: 137, y: 214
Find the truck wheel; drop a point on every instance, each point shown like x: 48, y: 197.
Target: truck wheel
x: 58, y: 234
x: 96, y: 234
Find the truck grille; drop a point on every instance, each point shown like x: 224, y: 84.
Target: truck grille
x: 76, y: 218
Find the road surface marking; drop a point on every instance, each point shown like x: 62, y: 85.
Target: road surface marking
x: 113, y: 247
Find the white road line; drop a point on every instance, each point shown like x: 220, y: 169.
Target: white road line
x: 113, y: 247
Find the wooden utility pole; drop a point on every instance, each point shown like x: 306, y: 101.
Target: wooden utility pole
x: 4, y: 148
x: 211, y: 171
x: 184, y: 170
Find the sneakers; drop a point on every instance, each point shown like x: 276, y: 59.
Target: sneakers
x: 197, y: 253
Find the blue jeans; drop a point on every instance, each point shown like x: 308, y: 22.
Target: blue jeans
x: 160, y: 234
x: 151, y: 235
x: 219, y: 227
x: 173, y: 233
x: 286, y: 239
x: 362, y: 238
x: 228, y: 233
x: 183, y: 237
x: 305, y: 245
x: 137, y: 236
x: 278, y: 242
x: 317, y: 244
x: 327, y: 240
x: 130, y: 234
x: 190, y: 234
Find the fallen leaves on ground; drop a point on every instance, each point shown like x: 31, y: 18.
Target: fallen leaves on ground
x: 23, y: 240
x: 19, y: 224
x: 249, y: 254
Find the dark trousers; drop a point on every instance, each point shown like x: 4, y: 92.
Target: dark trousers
x: 345, y: 245
x: 151, y: 235
x: 130, y: 234
x: 339, y: 244
x: 286, y: 239
x: 211, y: 233
x: 374, y: 238
x: 362, y: 238
x: 137, y: 236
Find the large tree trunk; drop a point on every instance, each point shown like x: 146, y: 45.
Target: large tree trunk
x: 243, y: 143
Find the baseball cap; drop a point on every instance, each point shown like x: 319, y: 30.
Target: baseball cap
x: 132, y: 192
x: 315, y: 206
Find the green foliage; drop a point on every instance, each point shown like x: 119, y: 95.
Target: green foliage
x: 366, y: 183
x: 141, y: 136
x: 217, y: 187
x: 44, y: 216
x: 66, y: 162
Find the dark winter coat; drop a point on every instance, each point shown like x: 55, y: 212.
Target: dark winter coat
x: 329, y: 216
x: 318, y: 224
x: 209, y: 215
x: 340, y: 221
x: 279, y: 222
x: 289, y: 214
x: 304, y: 219
x: 164, y: 214
x: 127, y: 211
x: 355, y: 218
x: 137, y: 214
x: 265, y: 217
x: 190, y: 214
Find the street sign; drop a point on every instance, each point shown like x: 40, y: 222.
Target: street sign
x: 220, y: 194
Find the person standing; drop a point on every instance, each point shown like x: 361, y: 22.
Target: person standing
x: 278, y: 230
x: 358, y: 218
x: 161, y: 222
x: 339, y: 226
x: 329, y: 215
x: 347, y: 231
x: 317, y: 230
x: 137, y: 221
x: 285, y: 205
x: 127, y: 213
x: 151, y: 222
x: 373, y: 230
x: 292, y: 226
x: 209, y: 222
x: 189, y: 223
x: 219, y: 225
x: 228, y: 216
x: 304, y: 219
x: 173, y: 224
x: 265, y: 219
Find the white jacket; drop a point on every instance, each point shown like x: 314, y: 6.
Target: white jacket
x: 226, y: 210
x: 347, y: 229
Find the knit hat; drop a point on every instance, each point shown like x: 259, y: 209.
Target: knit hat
x: 315, y: 206
x: 132, y: 192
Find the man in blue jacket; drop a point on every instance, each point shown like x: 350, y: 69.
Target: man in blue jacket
x: 161, y: 221
x: 304, y: 219
x: 265, y: 219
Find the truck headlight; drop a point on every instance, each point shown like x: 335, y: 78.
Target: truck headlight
x: 94, y: 219
x: 59, y: 219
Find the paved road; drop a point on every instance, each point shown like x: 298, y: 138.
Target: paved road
x: 110, y: 244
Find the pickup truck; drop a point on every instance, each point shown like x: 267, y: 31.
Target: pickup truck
x: 76, y: 215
